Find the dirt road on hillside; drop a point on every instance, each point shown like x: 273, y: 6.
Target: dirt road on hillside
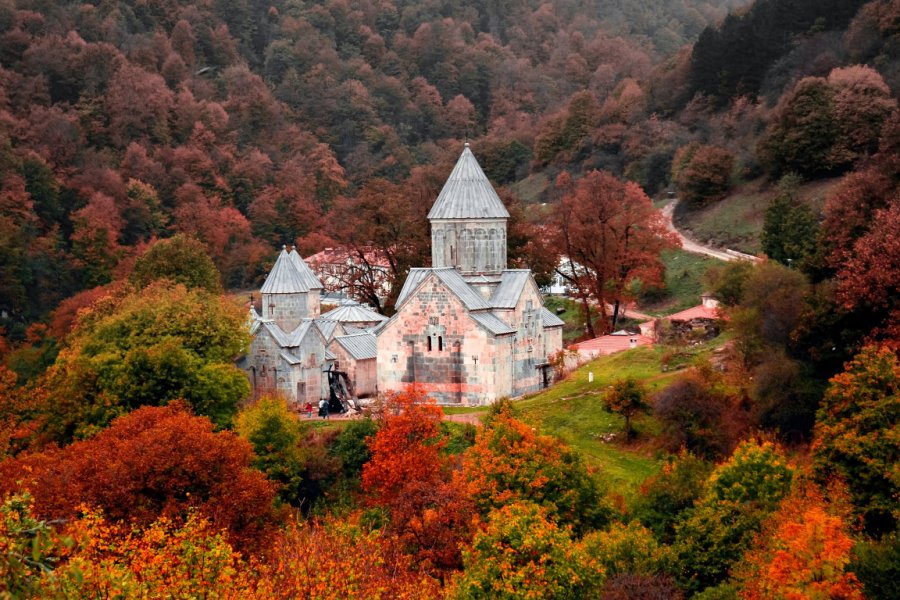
x: 695, y: 247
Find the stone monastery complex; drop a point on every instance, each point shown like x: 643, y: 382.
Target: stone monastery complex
x: 467, y: 329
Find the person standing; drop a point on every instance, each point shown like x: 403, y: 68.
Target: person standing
x: 323, y: 408
x: 309, y: 408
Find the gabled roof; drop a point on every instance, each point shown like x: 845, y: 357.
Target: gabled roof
x: 354, y: 313
x: 360, y: 346
x: 284, y: 278
x: 610, y: 344
x: 306, y: 274
x: 492, y: 323
x: 549, y: 319
x: 696, y: 312
x: 512, y: 282
x: 468, y: 194
x: 451, y: 278
x: 288, y: 340
x: 326, y: 327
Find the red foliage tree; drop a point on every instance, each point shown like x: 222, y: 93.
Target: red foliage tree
x: 611, y: 238
x: 409, y: 475
x: 156, y: 461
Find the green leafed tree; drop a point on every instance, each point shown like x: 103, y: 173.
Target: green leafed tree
x: 179, y: 259
x: 275, y: 433
x: 163, y: 343
x: 857, y: 436
x: 626, y: 397
x: 522, y: 553
x: 790, y: 228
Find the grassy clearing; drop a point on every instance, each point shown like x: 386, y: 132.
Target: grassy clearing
x: 684, y: 283
x: 736, y: 222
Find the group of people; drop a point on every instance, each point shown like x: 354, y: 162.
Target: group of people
x: 323, y: 409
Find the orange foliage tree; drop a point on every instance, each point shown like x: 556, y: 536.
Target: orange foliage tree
x: 338, y: 559
x: 411, y: 477
x: 156, y: 461
x: 510, y: 462
x: 802, y: 553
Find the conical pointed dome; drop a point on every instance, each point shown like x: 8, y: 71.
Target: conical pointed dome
x: 306, y: 274
x: 284, y: 278
x: 468, y: 194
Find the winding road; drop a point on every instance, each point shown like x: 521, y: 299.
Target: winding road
x: 689, y: 245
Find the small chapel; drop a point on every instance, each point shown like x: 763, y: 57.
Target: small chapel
x: 468, y: 330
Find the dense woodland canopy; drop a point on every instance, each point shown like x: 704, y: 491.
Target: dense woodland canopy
x: 154, y: 154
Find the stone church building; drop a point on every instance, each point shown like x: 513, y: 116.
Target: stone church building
x: 467, y: 329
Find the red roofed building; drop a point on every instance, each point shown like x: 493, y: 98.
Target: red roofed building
x: 609, y: 344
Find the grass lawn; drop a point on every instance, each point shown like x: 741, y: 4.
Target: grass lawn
x: 684, y: 283
x: 736, y: 222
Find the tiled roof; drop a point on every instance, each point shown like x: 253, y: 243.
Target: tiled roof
x: 492, y: 323
x: 284, y: 278
x: 512, y: 282
x: 549, y: 319
x: 468, y: 194
x: 354, y: 313
x: 361, y: 346
x: 610, y: 344
x: 449, y: 277
x: 696, y: 312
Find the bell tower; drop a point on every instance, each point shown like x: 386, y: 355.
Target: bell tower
x: 468, y: 223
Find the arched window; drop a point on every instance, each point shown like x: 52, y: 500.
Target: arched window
x: 429, y: 343
x: 440, y: 343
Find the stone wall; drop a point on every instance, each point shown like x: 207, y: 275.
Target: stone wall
x: 432, y: 341
x: 269, y: 373
x: 362, y: 373
x: 477, y: 246
x: 287, y: 310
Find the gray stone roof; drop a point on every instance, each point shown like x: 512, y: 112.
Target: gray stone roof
x: 306, y: 274
x: 512, y: 282
x: 284, y: 278
x: 468, y: 194
x: 492, y: 323
x: 285, y: 339
x: 360, y: 346
x: 354, y: 313
x: 451, y: 278
x: 549, y: 319
x: 326, y: 327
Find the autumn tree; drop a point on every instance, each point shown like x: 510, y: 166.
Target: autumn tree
x: 665, y: 496
x: 626, y: 549
x: 410, y: 477
x: 693, y: 413
x: 855, y: 436
x: 611, y: 238
x: 179, y: 259
x: 156, y: 461
x: 383, y: 222
x: 626, y: 397
x: 702, y: 173
x: 275, y: 433
x: 721, y: 526
x: 341, y: 558
x: 163, y: 343
x: 803, y: 551
x: 511, y: 462
x: 524, y: 553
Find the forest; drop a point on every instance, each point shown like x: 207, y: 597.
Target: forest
x: 155, y: 155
